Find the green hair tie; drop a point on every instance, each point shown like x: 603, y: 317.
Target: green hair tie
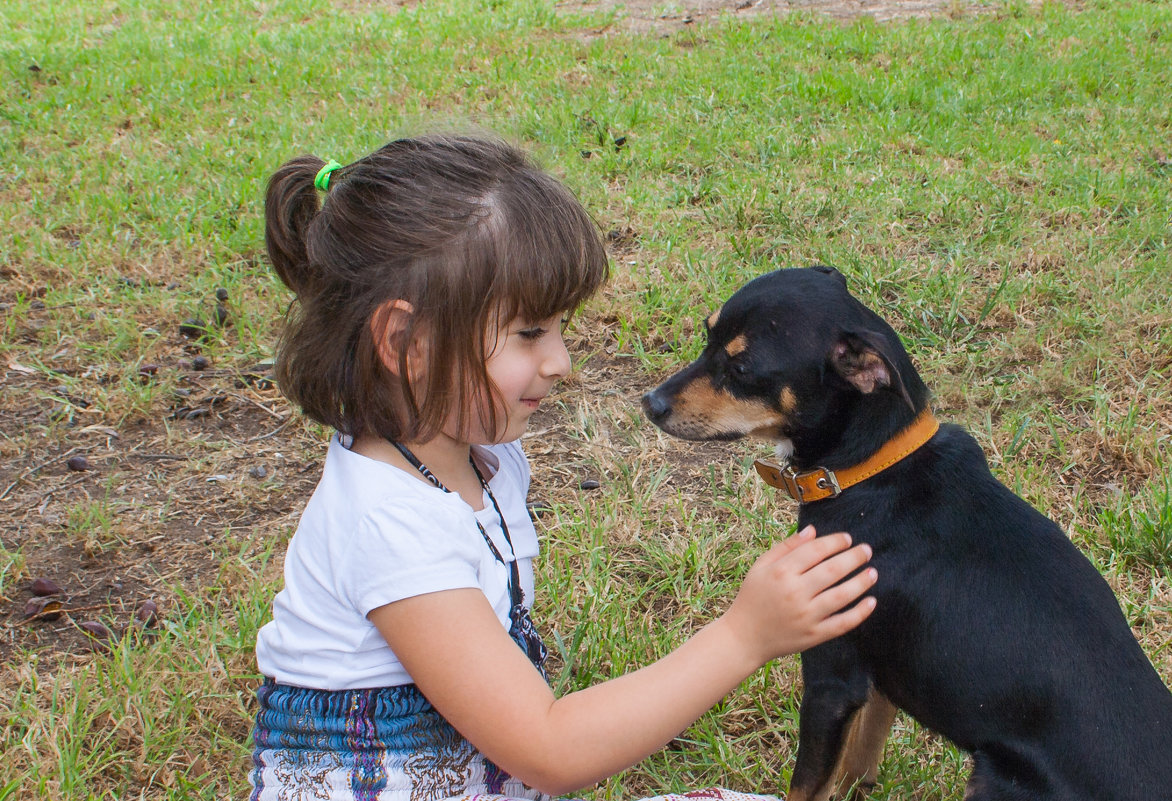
x: 322, y: 181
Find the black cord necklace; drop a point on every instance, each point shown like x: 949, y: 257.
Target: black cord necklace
x: 522, y: 630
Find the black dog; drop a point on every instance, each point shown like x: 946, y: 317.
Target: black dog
x: 991, y: 627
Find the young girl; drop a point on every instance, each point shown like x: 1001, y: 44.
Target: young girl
x: 433, y: 282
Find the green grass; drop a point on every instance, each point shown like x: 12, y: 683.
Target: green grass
x: 1138, y: 529
x: 998, y: 186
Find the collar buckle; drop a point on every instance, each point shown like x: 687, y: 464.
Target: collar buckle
x: 810, y: 485
x: 827, y: 482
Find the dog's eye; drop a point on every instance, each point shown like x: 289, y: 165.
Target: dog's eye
x: 739, y: 369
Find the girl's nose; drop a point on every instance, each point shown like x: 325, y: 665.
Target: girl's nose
x: 556, y: 363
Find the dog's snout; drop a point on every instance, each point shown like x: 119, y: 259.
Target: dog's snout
x: 656, y: 406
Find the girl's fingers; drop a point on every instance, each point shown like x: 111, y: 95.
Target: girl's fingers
x: 809, y: 554
x: 833, y: 569
x: 790, y: 543
x: 837, y: 625
x: 840, y: 595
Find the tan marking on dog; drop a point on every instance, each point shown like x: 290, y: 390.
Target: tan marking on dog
x: 700, y: 410
x: 739, y: 344
x: 712, y: 318
x: 788, y: 401
x: 858, y: 764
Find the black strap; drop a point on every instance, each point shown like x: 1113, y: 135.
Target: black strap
x: 418, y: 465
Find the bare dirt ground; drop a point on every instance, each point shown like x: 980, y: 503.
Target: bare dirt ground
x: 145, y: 515
x: 662, y: 16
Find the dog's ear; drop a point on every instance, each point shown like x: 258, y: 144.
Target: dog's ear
x: 822, y: 268
x: 864, y: 360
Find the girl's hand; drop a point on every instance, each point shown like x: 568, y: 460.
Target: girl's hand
x: 792, y: 600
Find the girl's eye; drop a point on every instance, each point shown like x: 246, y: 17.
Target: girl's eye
x: 536, y: 329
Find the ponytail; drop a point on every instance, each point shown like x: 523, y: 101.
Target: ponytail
x: 291, y: 204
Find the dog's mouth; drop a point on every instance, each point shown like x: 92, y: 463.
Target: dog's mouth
x: 700, y: 413
x: 697, y: 433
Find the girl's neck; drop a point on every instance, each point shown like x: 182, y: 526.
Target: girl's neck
x: 445, y: 457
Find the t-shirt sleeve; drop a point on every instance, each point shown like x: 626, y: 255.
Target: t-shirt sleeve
x: 399, y: 552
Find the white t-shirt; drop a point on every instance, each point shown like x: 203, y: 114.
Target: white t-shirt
x: 373, y: 534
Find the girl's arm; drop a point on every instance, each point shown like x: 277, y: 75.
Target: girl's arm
x: 464, y: 662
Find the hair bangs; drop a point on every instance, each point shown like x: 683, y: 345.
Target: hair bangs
x: 550, y: 254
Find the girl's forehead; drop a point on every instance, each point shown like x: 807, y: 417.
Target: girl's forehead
x: 518, y: 311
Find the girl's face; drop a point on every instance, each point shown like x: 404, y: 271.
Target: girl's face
x: 525, y: 361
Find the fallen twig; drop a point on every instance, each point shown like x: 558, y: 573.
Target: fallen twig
x: 34, y: 469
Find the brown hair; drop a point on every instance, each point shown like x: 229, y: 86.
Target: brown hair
x: 465, y: 229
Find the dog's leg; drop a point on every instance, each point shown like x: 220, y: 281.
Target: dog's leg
x: 858, y: 766
x: 824, y: 717
x: 836, y: 686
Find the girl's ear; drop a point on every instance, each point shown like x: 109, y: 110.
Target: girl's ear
x: 388, y: 325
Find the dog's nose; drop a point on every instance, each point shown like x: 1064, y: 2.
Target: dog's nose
x: 656, y: 407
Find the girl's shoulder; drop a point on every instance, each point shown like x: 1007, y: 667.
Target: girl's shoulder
x: 357, y: 493
x: 369, y: 526
x: 362, y: 498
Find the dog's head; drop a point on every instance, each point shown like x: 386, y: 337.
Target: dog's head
x: 788, y: 358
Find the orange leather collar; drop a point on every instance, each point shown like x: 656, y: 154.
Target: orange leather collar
x: 820, y: 483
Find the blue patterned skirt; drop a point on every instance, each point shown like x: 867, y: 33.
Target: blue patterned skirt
x: 382, y: 744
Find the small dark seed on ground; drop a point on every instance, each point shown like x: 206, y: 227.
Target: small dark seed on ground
x: 193, y: 328
x: 589, y: 484
x: 538, y: 509
x: 77, y: 463
x: 147, y: 614
x: 95, y: 628
x: 200, y: 363
x: 46, y: 607
x: 101, y: 634
x: 44, y: 586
